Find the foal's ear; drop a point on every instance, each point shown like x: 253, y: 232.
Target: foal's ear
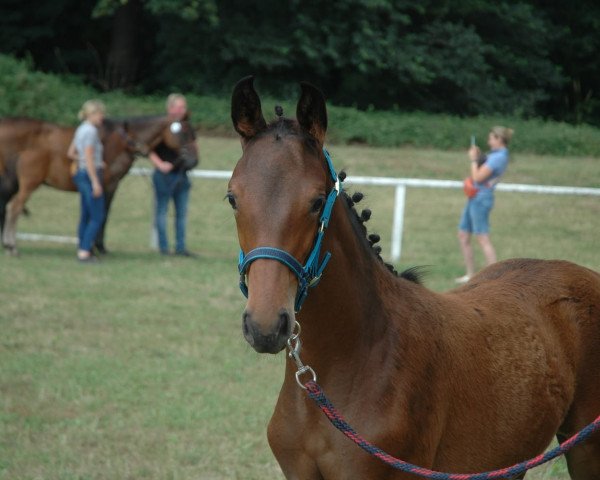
x: 311, y: 111
x: 246, y: 112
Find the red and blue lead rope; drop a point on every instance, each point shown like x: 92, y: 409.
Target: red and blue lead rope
x: 316, y: 394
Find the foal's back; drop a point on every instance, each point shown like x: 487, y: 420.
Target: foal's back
x: 21, y: 132
x: 527, y: 332
x: 18, y: 134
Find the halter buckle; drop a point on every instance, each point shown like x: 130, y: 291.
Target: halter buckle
x: 302, y: 371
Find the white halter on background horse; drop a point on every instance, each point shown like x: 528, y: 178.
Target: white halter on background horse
x: 475, y: 379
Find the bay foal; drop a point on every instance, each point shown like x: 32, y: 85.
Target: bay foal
x: 475, y: 379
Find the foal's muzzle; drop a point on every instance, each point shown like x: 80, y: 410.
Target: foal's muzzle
x: 271, y: 341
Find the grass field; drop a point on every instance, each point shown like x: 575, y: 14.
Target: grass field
x: 136, y: 368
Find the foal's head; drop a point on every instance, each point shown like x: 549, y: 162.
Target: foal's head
x: 277, y: 191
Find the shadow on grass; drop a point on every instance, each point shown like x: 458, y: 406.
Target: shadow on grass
x: 49, y: 251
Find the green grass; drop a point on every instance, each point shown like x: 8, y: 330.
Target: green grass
x: 136, y: 368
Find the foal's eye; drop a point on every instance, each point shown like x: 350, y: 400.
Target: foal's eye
x: 317, y: 205
x: 231, y: 199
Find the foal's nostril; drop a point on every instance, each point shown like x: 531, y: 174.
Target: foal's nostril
x: 284, y: 324
x: 245, y: 318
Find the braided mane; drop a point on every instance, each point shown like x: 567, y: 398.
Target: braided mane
x: 413, y: 274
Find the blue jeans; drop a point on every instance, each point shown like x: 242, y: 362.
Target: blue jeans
x: 176, y: 186
x: 476, y: 214
x: 92, y: 210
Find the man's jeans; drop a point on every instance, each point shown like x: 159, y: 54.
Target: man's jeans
x: 173, y: 185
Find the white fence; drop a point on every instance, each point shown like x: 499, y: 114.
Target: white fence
x: 399, y: 184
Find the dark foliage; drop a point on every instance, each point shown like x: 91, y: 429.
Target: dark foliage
x: 526, y: 58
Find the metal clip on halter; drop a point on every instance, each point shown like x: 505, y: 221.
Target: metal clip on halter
x: 295, y: 346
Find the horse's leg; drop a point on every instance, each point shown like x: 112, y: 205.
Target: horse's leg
x: 8, y: 188
x: 294, y: 463
x: 301, y: 467
x: 13, y: 210
x: 584, y: 459
x: 27, y: 184
x: 99, y: 242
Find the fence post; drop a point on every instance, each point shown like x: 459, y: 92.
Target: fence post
x: 398, y: 225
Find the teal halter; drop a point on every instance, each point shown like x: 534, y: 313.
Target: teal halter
x: 308, y: 275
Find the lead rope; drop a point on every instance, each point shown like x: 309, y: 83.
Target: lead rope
x: 316, y: 393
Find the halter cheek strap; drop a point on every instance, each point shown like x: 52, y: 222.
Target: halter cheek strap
x: 309, y: 274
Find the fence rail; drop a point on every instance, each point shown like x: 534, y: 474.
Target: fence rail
x: 400, y: 185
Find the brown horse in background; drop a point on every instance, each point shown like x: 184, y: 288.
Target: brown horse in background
x: 475, y: 379
x: 34, y: 152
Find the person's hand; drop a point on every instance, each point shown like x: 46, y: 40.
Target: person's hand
x: 165, y: 167
x: 96, y: 189
x: 474, y: 153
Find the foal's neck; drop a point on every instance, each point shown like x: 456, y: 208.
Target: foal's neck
x: 345, y: 315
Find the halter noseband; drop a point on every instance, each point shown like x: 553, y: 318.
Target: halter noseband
x: 308, y: 275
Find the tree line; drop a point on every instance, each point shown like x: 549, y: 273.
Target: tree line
x: 524, y: 58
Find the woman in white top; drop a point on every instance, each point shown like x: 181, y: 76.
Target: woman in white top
x: 86, y: 149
